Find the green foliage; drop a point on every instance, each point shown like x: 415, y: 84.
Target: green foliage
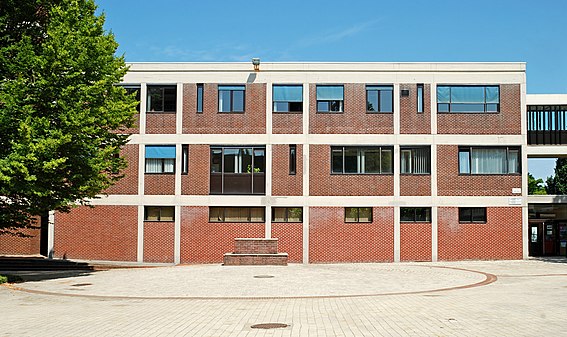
x: 59, y: 106
x: 535, y: 186
x: 557, y: 184
x: 3, y: 279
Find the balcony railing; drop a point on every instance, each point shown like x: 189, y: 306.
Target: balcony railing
x: 547, y: 124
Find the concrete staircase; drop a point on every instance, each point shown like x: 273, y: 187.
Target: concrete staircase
x: 255, y: 252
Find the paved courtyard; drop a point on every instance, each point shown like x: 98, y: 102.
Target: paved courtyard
x: 473, y: 298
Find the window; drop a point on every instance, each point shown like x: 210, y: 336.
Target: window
x: 236, y: 214
x: 415, y: 214
x: 330, y: 98
x: 292, y: 159
x: 287, y: 214
x: 358, y: 214
x: 200, y: 98
x: 237, y: 170
x: 162, y: 98
x: 415, y: 160
x: 361, y: 160
x: 185, y: 159
x: 231, y: 98
x: 468, y: 98
x: 379, y: 98
x: 159, y: 213
x: 287, y: 98
x: 160, y: 159
x: 420, y: 99
x: 472, y: 214
x: 133, y: 89
x: 489, y: 160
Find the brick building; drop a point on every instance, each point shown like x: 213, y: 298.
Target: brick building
x: 342, y: 162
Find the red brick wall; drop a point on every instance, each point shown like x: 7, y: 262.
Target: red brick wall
x: 99, y: 233
x: 449, y: 181
x: 508, y: 121
x: 197, y: 181
x: 15, y: 245
x: 159, y: 184
x: 500, y: 238
x: 354, y: 119
x: 322, y: 182
x: 253, y: 120
x: 159, y: 239
x: 129, y: 183
x: 287, y: 123
x: 412, y: 122
x: 160, y: 123
x: 419, y: 184
x: 415, y: 241
x: 282, y: 182
x: 333, y: 240
x: 204, y: 242
x: 290, y: 239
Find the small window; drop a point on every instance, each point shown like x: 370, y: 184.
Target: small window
x: 185, y: 159
x: 468, y: 98
x: 292, y: 159
x: 231, y: 98
x: 358, y: 214
x: 361, y: 160
x: 159, y: 213
x: 162, y: 98
x: 200, y: 98
x: 420, y: 99
x: 160, y: 159
x: 380, y: 98
x: 236, y: 214
x: 287, y: 98
x: 472, y: 214
x: 133, y: 90
x: 489, y: 160
x: 415, y: 160
x: 415, y: 214
x: 330, y: 98
x: 287, y: 214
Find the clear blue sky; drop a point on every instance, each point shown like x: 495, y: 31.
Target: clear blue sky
x: 383, y: 31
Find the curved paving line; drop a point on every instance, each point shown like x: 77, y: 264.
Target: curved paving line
x: 533, y: 275
x: 489, y: 278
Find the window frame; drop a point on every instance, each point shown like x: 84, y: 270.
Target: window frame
x: 288, y: 111
x: 162, y: 88
x: 131, y: 89
x: 380, y: 148
x: 162, y: 160
x: 485, y: 104
x: 251, y: 170
x: 232, y: 91
x: 469, y: 149
x: 412, y: 150
x: 471, y: 220
x: 248, y: 208
x: 379, y: 88
x: 420, y: 103
x: 292, y: 160
x: 286, y: 220
x: 340, y: 103
x: 184, y: 159
x: 415, y: 217
x: 200, y: 98
x: 160, y: 213
x: 371, y: 220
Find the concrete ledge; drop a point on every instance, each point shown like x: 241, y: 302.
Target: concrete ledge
x: 234, y: 259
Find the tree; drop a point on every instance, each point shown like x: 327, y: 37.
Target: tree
x: 61, y: 111
x: 557, y: 184
x: 535, y: 186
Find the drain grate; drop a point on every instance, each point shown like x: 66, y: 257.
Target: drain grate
x: 269, y: 326
x: 81, y: 284
x: 263, y: 276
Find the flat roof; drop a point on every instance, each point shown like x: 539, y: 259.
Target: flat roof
x: 546, y: 99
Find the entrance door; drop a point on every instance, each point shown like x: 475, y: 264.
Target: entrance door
x: 536, y: 239
x: 550, y: 238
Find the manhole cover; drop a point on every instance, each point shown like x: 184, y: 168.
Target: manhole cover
x: 81, y: 284
x: 269, y: 326
x: 263, y: 276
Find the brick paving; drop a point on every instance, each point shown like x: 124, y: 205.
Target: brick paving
x: 314, y: 300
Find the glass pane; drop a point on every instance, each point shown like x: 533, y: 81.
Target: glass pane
x: 493, y: 94
x: 257, y: 214
x: 236, y: 214
x: 443, y: 94
x: 386, y: 161
x: 216, y: 214
x: 478, y: 214
x: 155, y: 99
x: 365, y: 214
x: 224, y: 101
x: 351, y: 162
x: 154, y: 165
x: 423, y: 214
x: 281, y: 106
x: 467, y: 107
x: 330, y: 93
x: 170, y: 99
x: 492, y: 107
x: 337, y: 159
x: 288, y: 93
x: 238, y: 101
x: 371, y: 100
x: 420, y: 98
x: 232, y: 161
x: 407, y: 214
x: 443, y: 107
x: 467, y: 94
x: 351, y: 214
x: 371, y: 161
x: 405, y: 161
x: 278, y: 214
x: 216, y: 160
x: 464, y: 162
x: 199, y: 98
x: 246, y: 161
x: 421, y: 162
x: 513, y: 161
x: 323, y: 106
x: 336, y: 106
x: 296, y: 106
x: 168, y: 165
x: 295, y: 214
x: 488, y: 161
x: 464, y: 214
x: 259, y: 160
x: 167, y: 214
x: 386, y: 102
x: 152, y: 213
